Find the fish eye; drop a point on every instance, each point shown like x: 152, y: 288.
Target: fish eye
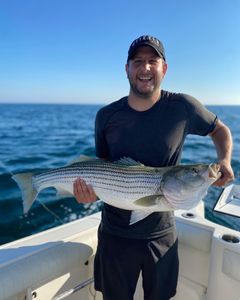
x: 195, y: 171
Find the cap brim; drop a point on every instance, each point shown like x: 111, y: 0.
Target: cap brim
x: 145, y: 43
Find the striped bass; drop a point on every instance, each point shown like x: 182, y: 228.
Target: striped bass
x: 126, y: 184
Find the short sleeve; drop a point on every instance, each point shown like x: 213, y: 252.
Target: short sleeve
x: 201, y: 120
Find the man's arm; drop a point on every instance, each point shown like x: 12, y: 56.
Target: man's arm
x: 222, y: 140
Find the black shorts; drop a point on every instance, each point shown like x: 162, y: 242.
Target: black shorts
x: 118, y: 263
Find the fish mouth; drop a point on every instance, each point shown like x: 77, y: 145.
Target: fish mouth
x: 214, y: 172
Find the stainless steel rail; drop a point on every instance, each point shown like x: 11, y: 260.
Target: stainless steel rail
x: 74, y: 290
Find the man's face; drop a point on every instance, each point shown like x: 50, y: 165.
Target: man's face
x: 145, y: 72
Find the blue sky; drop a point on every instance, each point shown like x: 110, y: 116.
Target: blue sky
x: 69, y: 51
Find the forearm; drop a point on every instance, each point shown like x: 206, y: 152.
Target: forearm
x: 222, y: 140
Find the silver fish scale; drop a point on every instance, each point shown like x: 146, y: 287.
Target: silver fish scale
x: 104, y: 177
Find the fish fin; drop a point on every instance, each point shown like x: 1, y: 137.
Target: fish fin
x: 138, y: 215
x: 148, y: 201
x: 127, y: 161
x: 159, y: 201
x: 81, y: 158
x: 29, y: 193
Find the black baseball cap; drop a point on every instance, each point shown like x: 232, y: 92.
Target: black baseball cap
x: 147, y: 40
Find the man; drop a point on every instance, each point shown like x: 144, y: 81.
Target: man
x: 150, y: 126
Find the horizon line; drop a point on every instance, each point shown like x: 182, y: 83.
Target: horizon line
x: 92, y: 103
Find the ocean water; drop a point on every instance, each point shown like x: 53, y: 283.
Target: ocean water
x: 39, y: 137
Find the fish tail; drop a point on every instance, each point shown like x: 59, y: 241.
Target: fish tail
x: 29, y: 193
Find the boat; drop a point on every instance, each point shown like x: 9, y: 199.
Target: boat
x: 58, y: 263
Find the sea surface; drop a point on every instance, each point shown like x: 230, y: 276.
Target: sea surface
x: 43, y: 136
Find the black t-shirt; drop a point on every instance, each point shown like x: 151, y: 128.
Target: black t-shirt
x: 153, y: 137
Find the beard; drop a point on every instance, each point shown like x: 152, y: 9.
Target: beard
x: 141, y: 92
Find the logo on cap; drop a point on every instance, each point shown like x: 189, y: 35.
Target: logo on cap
x: 149, y: 41
x: 145, y: 38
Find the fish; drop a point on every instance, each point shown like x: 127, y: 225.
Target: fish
x: 126, y: 184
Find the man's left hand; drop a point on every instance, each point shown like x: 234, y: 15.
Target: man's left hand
x: 227, y: 174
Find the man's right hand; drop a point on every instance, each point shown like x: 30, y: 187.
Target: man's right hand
x: 83, y: 192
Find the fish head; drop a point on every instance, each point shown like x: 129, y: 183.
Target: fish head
x: 185, y: 181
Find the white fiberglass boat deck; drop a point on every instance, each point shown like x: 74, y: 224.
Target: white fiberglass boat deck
x: 50, y: 264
